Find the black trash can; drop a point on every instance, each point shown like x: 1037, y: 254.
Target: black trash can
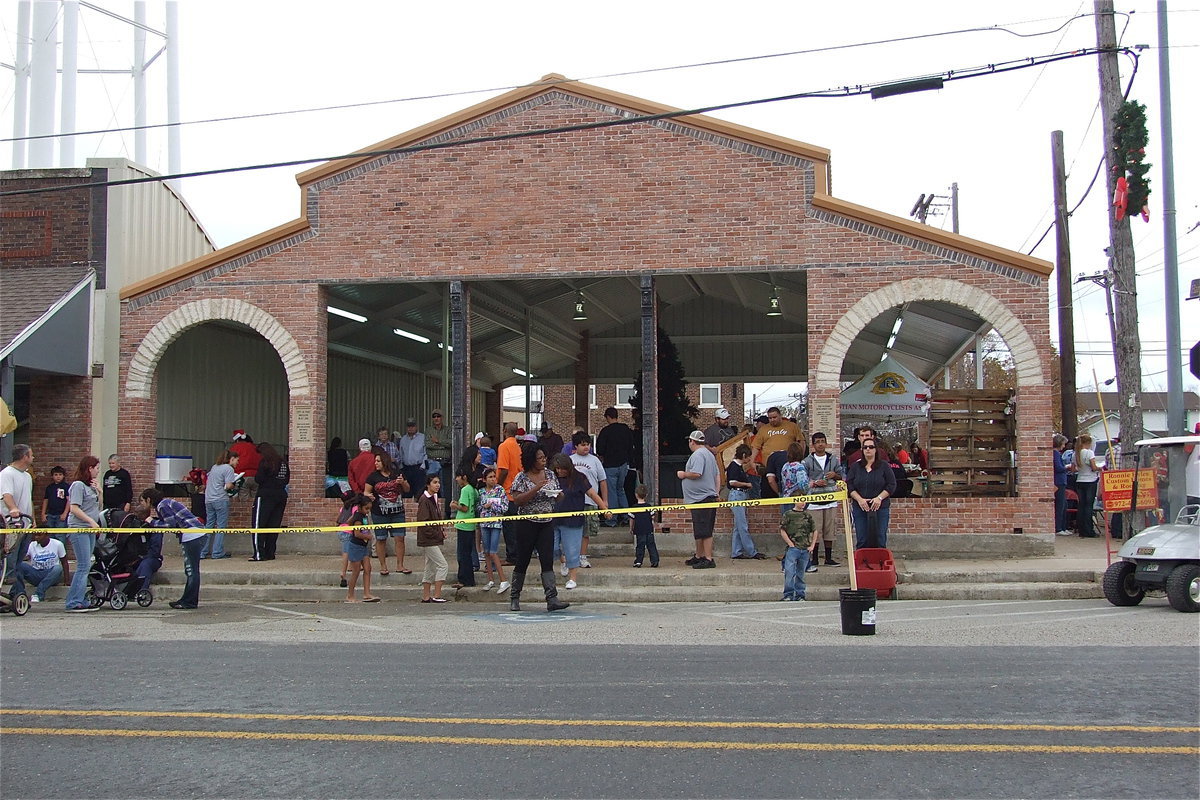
x: 858, y: 612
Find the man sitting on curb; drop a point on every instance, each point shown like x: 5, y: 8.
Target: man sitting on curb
x: 43, y: 566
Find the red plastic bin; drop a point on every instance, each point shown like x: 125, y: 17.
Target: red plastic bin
x: 876, y: 569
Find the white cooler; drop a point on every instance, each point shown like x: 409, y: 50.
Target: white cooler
x: 172, y: 469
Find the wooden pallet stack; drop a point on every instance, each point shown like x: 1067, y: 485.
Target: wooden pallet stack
x: 971, y: 440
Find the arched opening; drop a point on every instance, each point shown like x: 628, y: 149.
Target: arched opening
x: 203, y: 398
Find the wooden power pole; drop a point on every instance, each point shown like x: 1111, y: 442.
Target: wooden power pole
x: 1066, y: 319
x: 1127, y: 349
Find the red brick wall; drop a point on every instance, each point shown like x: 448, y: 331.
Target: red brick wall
x: 60, y: 416
x: 40, y: 230
x: 615, y: 201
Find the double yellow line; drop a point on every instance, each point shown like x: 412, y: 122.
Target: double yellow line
x: 663, y: 744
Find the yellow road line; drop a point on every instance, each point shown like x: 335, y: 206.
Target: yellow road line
x: 602, y: 723
x: 659, y: 744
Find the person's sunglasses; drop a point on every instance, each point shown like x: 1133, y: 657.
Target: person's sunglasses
x: 437, y: 416
x: 868, y: 447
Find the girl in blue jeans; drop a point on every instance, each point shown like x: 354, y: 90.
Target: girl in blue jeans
x: 83, y: 501
x: 739, y: 489
x: 569, y: 530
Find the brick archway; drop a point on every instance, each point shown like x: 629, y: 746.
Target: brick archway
x: 1024, y: 353
x: 145, y: 361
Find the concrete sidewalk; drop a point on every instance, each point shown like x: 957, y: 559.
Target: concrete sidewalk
x: 1073, y: 571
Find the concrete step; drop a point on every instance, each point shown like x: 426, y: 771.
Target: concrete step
x: 618, y: 541
x: 532, y: 597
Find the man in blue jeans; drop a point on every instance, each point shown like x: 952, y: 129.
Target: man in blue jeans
x: 614, y: 445
x: 42, y: 566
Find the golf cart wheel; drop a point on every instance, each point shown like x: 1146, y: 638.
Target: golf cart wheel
x: 92, y: 600
x: 20, y: 604
x: 1119, y: 586
x: 118, y: 601
x: 144, y: 598
x: 1183, y: 588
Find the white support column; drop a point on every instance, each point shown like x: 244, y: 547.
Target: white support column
x: 139, y: 81
x: 70, y: 68
x: 978, y: 362
x: 43, y: 83
x: 174, y: 162
x: 21, y: 89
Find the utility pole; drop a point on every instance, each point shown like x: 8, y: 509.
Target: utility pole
x: 922, y: 209
x: 1105, y: 281
x: 1066, y: 318
x: 1126, y: 342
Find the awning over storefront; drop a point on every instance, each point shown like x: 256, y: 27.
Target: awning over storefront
x: 888, y: 389
x: 58, y: 340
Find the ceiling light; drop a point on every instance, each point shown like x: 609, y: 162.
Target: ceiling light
x: 773, y: 307
x: 416, y: 337
x: 347, y: 314
x: 521, y: 372
x: 442, y: 345
x: 580, y: 311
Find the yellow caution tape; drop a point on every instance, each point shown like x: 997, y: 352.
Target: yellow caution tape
x: 822, y: 497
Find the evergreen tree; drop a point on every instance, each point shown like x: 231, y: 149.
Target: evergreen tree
x: 675, y: 412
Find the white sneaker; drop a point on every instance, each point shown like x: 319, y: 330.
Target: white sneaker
x: 562, y: 570
x: 503, y: 587
x: 571, y: 584
x: 583, y: 562
x: 35, y: 599
x: 490, y: 585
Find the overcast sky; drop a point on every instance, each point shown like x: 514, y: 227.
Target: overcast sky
x: 991, y: 135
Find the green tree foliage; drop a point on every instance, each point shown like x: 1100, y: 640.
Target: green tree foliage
x: 675, y: 412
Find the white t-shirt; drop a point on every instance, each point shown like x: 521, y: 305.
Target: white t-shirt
x: 593, y: 467
x: 20, y: 485
x: 823, y: 463
x: 1083, y: 470
x: 48, y: 557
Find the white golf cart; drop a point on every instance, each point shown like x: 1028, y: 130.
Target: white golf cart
x: 1164, y: 557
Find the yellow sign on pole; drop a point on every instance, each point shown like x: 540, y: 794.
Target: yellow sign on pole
x: 1117, y: 487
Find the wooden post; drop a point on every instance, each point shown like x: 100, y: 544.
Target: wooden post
x: 849, y: 539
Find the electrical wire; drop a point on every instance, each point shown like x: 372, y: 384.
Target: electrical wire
x: 631, y: 119
x: 623, y: 74
x: 1099, y: 166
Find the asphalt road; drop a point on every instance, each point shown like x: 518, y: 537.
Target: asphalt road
x: 1030, y: 699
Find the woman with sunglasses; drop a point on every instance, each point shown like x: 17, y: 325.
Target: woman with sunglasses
x: 871, y: 484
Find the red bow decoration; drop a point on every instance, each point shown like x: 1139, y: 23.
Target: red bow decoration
x: 1121, y: 199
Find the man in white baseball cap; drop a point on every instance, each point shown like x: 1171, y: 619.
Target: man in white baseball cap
x: 720, y: 431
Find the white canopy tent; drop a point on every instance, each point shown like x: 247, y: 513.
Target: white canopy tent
x: 888, y: 391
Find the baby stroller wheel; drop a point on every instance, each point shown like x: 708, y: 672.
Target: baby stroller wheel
x: 118, y: 601
x: 144, y: 598
x: 92, y: 600
x: 20, y: 604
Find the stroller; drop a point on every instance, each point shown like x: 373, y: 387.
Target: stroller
x: 112, y: 578
x: 18, y: 604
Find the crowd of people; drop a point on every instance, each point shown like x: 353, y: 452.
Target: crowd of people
x: 511, y: 483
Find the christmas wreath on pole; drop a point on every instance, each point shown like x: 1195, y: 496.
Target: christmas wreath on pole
x: 1129, y: 148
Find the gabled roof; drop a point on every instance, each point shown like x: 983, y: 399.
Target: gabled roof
x: 819, y: 156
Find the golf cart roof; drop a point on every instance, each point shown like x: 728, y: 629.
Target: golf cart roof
x: 1169, y: 440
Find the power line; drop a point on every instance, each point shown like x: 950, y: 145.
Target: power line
x: 834, y: 92
x: 623, y: 74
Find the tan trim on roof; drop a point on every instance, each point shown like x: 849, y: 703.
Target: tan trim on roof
x: 208, y: 260
x: 927, y: 233
x: 820, y: 157
x: 556, y: 81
